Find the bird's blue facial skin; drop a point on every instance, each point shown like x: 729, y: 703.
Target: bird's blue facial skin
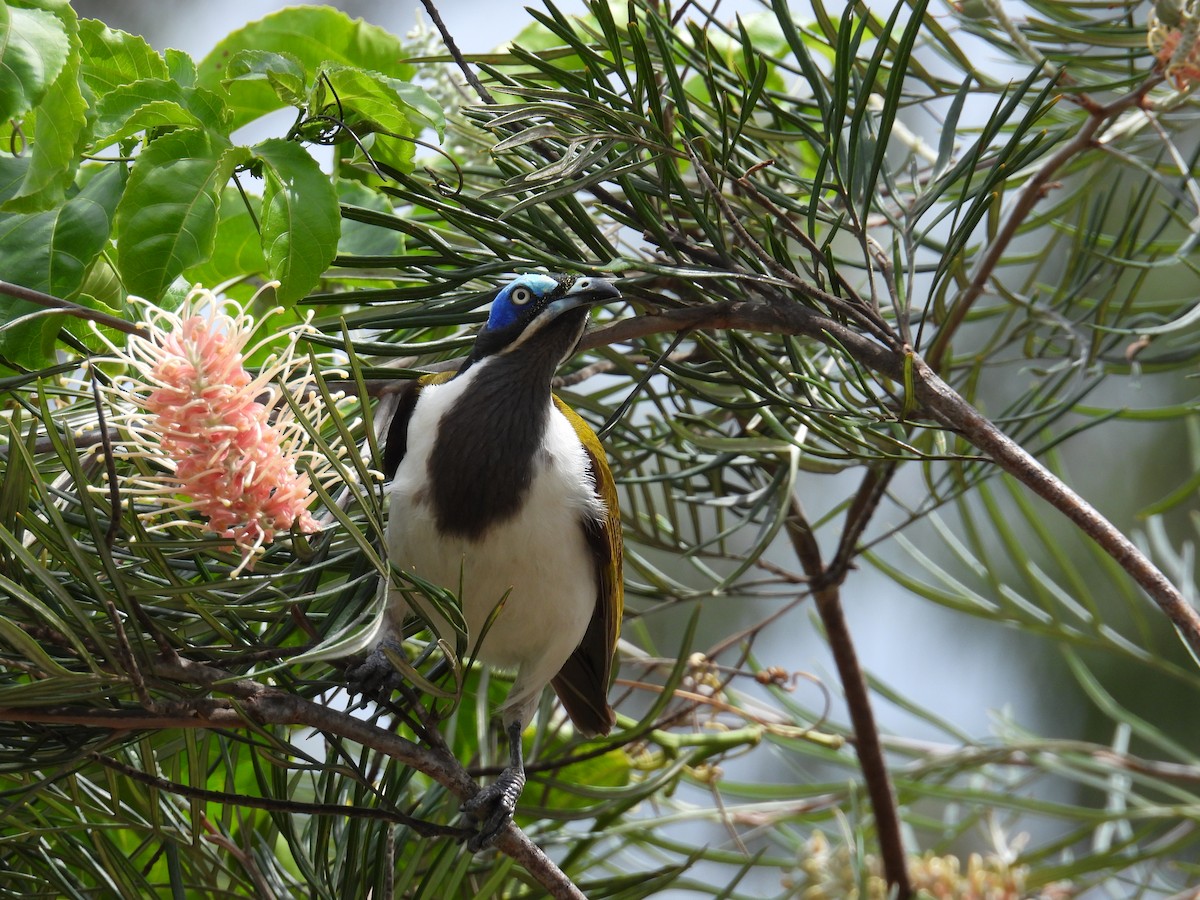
x: 516, y: 297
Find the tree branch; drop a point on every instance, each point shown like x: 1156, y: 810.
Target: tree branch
x: 29, y: 295
x: 1033, y: 191
x: 826, y: 593
x: 949, y: 408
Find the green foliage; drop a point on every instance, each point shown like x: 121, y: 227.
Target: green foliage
x: 79, y: 89
x: 808, y: 204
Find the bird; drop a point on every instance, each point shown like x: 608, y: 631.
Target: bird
x: 502, y: 493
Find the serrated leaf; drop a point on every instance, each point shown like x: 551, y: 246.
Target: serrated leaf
x: 314, y: 35
x: 300, y: 218
x: 282, y: 71
x: 419, y: 107
x: 156, y: 102
x: 59, y: 133
x: 34, y: 46
x: 110, y: 58
x: 167, y: 219
x: 237, y: 249
x: 181, y: 68
x: 371, y: 103
x: 101, y: 289
x: 118, y: 125
x: 51, y: 252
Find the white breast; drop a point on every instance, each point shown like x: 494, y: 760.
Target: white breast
x: 539, y: 557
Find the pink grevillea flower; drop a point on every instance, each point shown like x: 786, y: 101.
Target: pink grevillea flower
x: 229, y: 444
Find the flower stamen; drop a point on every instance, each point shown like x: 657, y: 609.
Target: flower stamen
x: 229, y: 442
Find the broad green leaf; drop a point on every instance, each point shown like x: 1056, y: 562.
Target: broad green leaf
x: 122, y: 122
x: 237, y: 251
x: 421, y: 109
x: 101, y: 288
x: 12, y: 174
x: 300, y: 218
x: 83, y: 228
x: 181, y: 68
x: 59, y: 132
x: 282, y: 71
x: 167, y: 219
x: 313, y: 35
x: 369, y: 103
x: 102, y: 291
x: 34, y: 46
x: 363, y: 238
x: 112, y: 58
x: 156, y: 102
x: 51, y: 252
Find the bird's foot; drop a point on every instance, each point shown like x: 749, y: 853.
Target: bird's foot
x: 493, y: 807
x: 375, y: 678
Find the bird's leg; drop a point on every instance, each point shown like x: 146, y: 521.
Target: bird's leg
x: 376, y: 678
x: 494, y: 805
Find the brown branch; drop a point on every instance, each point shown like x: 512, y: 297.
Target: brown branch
x: 219, y: 716
x: 256, y: 704
x: 1033, y: 191
x: 948, y: 407
x: 827, y: 594
x: 278, y: 708
x: 448, y: 39
x: 858, y: 516
x: 47, y: 301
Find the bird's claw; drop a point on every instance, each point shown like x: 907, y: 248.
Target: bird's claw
x: 375, y: 678
x: 493, y: 808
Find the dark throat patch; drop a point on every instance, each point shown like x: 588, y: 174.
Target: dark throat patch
x: 489, y: 444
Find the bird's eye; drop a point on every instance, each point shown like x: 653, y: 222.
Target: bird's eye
x: 521, y: 296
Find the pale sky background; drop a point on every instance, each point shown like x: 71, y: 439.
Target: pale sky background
x: 477, y: 25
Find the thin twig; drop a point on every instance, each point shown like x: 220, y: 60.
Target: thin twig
x: 858, y: 516
x: 291, y: 807
x: 1033, y: 191
x: 448, y: 39
x: 47, y: 301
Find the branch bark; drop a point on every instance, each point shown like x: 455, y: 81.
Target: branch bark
x: 826, y: 584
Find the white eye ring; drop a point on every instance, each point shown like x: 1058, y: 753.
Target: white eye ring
x: 520, y: 296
